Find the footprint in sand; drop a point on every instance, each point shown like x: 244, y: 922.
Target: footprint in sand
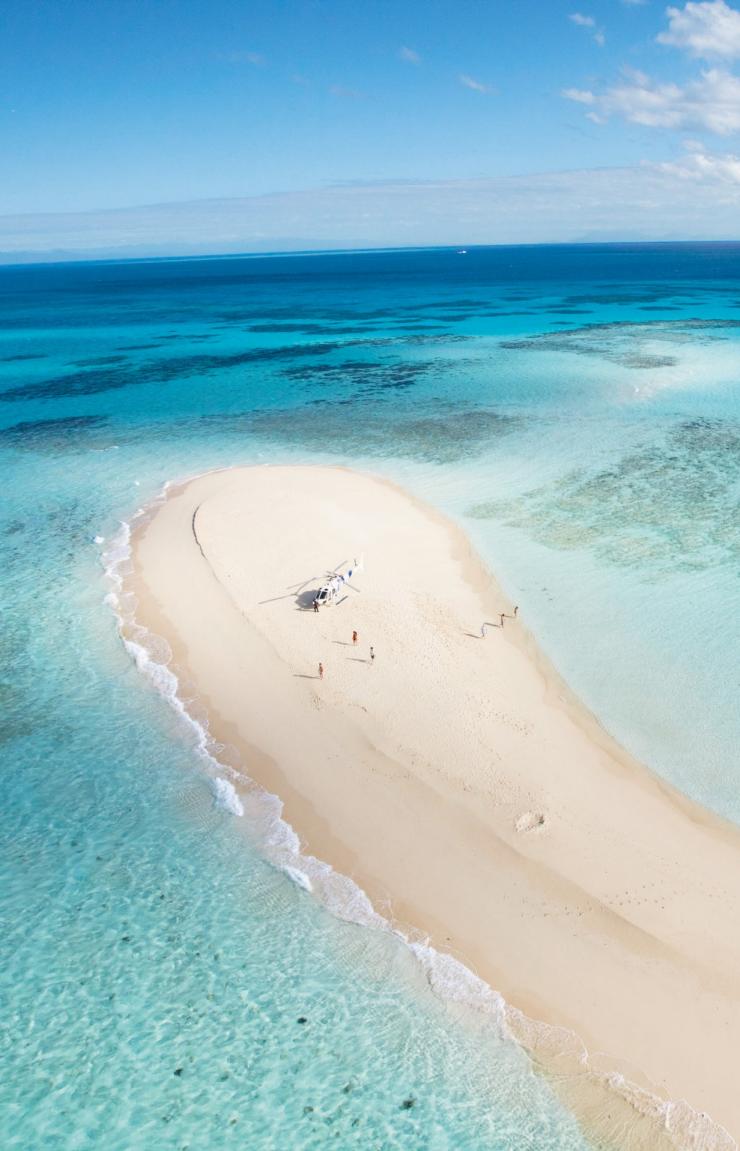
x: 531, y: 821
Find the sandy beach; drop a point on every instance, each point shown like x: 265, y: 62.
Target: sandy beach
x: 455, y: 777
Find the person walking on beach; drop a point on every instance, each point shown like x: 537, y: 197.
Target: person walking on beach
x: 502, y: 618
x: 372, y: 654
x: 354, y: 639
x: 483, y: 631
x: 315, y: 605
x: 321, y: 671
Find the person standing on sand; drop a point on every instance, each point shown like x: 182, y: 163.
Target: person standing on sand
x: 321, y: 671
x: 372, y: 654
x: 354, y: 639
x: 502, y: 617
x: 483, y: 631
x: 516, y: 611
x: 315, y: 605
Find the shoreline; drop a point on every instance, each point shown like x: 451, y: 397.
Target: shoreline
x: 537, y: 882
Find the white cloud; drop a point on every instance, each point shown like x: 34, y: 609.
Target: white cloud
x: 409, y: 55
x: 584, y: 21
x: 579, y: 95
x: 474, y: 85
x: 705, y: 167
x: 707, y: 29
x: 649, y: 202
x: 711, y: 102
x: 636, y: 75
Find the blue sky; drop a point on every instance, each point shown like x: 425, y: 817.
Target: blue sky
x: 289, y: 108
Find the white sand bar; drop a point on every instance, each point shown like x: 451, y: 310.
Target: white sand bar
x: 455, y: 776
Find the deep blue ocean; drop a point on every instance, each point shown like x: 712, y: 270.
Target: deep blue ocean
x: 577, y: 409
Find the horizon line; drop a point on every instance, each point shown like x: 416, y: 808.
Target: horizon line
x: 460, y: 248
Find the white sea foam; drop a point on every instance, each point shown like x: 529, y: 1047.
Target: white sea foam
x: 150, y: 653
x: 448, y: 977
x: 299, y: 877
x: 225, y: 795
x: 452, y: 980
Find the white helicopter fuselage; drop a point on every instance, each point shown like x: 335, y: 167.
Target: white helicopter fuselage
x: 329, y: 591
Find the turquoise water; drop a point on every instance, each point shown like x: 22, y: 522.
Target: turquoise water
x: 577, y: 409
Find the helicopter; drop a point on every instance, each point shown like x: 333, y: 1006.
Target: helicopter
x: 335, y: 582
